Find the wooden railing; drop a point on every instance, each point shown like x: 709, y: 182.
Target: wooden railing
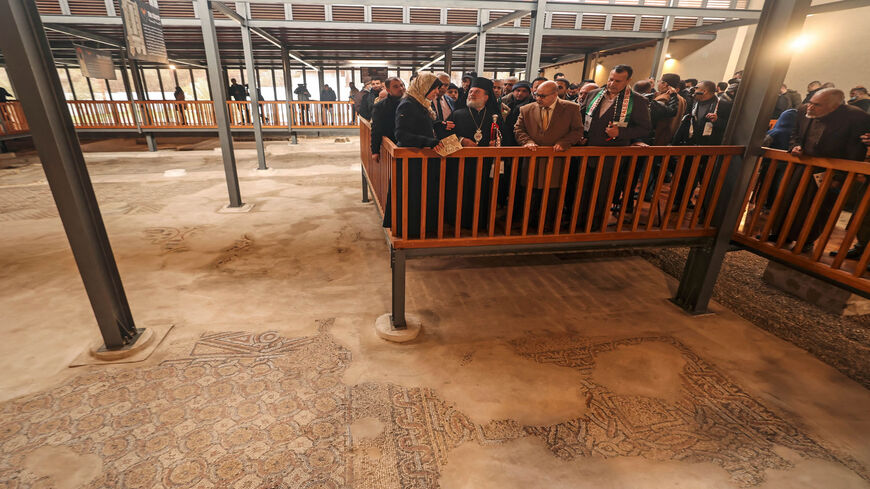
x: 12, y: 119
x: 797, y: 211
x: 492, y: 196
x: 170, y: 114
x: 101, y: 114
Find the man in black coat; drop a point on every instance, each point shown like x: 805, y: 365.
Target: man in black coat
x: 703, y: 126
x: 828, y: 128
x: 368, y: 101
x: 384, y: 115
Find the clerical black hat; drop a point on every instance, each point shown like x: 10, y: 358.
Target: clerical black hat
x: 481, y: 82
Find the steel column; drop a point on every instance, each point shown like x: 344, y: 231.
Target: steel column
x: 126, y: 79
x: 30, y: 64
x: 397, y: 261
x: 219, y: 99
x: 481, y: 53
x: 659, y: 58
x: 253, y: 88
x: 662, y: 45
x: 536, y: 35
x: 448, y: 60
x: 288, y: 92
x: 765, y: 71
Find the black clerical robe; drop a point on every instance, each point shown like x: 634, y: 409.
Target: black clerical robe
x: 468, y: 121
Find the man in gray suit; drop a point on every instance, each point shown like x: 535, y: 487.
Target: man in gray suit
x: 549, y: 122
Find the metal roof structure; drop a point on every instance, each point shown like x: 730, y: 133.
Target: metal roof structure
x: 409, y: 35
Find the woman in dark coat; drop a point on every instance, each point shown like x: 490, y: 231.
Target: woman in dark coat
x: 415, y: 128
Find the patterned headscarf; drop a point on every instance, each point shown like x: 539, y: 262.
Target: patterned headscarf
x: 420, y: 87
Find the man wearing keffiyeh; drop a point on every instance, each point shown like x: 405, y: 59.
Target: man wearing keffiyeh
x: 612, y: 116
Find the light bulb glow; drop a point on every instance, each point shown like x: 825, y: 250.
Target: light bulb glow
x: 800, y: 43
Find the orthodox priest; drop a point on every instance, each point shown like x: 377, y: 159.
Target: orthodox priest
x: 480, y: 123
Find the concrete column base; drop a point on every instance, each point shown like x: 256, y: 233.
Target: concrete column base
x: 820, y: 293
x: 236, y: 210
x: 149, y: 339
x: 385, y: 330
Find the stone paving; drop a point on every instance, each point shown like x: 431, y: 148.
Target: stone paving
x: 531, y: 371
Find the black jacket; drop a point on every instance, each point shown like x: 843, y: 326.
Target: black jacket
x: 368, y: 103
x: 384, y: 122
x: 414, y: 127
x: 841, y: 137
x: 698, y: 138
x: 638, y: 125
x: 328, y: 95
x: 788, y: 100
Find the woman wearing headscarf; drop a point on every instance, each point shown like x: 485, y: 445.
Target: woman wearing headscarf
x: 473, y: 127
x: 415, y: 128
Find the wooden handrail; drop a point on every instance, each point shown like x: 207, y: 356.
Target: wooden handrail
x: 795, y: 203
x: 187, y: 114
x: 492, y: 196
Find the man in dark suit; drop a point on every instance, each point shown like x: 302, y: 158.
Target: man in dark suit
x: 703, y: 126
x: 443, y: 105
x: 828, y: 128
x: 612, y: 116
x: 549, y: 122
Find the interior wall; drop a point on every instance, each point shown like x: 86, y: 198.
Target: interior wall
x: 837, y: 51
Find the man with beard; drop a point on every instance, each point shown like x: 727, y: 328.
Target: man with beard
x: 473, y: 127
x: 368, y: 101
x: 498, y: 90
x: 384, y: 115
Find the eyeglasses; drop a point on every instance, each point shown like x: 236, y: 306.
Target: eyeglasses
x: 543, y: 95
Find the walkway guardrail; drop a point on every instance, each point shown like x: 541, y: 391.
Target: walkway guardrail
x: 799, y: 210
x: 516, y: 200
x: 188, y: 114
x: 12, y: 119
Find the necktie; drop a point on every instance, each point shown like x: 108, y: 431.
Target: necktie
x: 546, y: 118
x: 440, y: 111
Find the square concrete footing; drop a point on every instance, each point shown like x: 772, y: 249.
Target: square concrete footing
x: 236, y: 210
x: 818, y: 292
x: 150, y: 339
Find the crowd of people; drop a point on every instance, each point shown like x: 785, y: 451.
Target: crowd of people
x: 560, y: 114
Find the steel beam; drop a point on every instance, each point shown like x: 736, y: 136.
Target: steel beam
x: 765, y: 71
x: 219, y: 99
x: 254, y: 90
x: 30, y: 64
x: 536, y: 34
x: 448, y: 60
x: 588, y: 8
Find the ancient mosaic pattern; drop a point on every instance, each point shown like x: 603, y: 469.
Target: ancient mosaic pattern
x: 714, y: 420
x: 262, y: 411
x: 268, y: 413
x: 170, y: 239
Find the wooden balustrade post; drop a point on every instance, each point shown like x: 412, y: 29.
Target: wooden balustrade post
x: 765, y: 71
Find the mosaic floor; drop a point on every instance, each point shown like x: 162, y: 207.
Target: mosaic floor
x: 248, y: 410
